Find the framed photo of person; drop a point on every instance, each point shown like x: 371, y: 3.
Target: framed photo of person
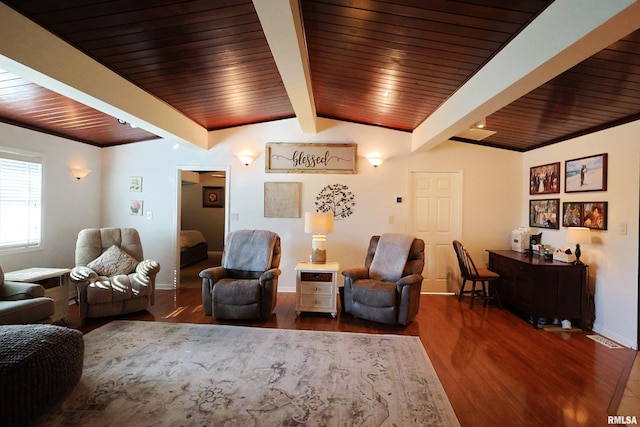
x: 594, y: 215
x: 544, y: 179
x: 572, y: 214
x: 586, y: 174
x: 544, y: 213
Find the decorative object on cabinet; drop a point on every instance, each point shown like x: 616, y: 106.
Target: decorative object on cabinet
x: 212, y: 197
x: 544, y: 179
x: 544, y: 213
x: 586, y: 174
x: 282, y: 199
x: 316, y: 287
x: 318, y: 224
x: 310, y: 158
x: 135, y: 184
x: 336, y: 198
x: 578, y: 236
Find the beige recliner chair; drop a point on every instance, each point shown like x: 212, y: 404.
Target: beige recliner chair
x: 246, y: 285
x: 23, y: 303
x: 111, y: 273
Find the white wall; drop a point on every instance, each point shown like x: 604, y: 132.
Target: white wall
x: 69, y: 205
x: 489, y: 176
x: 612, y: 257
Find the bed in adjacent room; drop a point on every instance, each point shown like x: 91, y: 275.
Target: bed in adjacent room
x: 193, y: 247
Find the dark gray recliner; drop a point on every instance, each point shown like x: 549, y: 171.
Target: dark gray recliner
x: 246, y: 285
x: 387, y: 290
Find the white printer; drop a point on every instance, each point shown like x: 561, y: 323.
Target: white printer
x: 520, y: 239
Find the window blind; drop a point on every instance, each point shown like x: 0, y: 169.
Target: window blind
x: 20, y: 201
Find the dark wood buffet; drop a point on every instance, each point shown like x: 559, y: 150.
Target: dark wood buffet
x: 539, y: 287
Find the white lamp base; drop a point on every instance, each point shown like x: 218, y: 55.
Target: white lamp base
x: 319, y: 249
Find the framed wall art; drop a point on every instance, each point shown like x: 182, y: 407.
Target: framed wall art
x: 284, y: 157
x: 212, y: 197
x: 544, y: 213
x: 586, y: 174
x: 135, y: 184
x: 544, y: 179
x: 594, y: 215
x: 282, y: 199
x: 572, y: 214
x: 135, y: 207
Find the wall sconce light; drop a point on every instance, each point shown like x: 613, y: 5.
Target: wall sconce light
x: 480, y: 124
x: 246, y: 159
x: 80, y: 173
x: 375, y: 160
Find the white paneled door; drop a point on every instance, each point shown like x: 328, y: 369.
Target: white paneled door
x: 436, y: 218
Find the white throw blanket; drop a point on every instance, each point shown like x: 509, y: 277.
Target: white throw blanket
x: 249, y: 250
x: 390, y: 257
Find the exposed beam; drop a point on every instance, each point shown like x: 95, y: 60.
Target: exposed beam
x: 282, y: 25
x: 33, y: 53
x: 563, y: 35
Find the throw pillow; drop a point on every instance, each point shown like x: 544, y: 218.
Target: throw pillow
x: 112, y: 262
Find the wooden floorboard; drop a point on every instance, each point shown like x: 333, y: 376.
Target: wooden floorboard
x: 495, y: 367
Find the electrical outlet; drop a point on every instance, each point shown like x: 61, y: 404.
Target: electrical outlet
x: 149, y: 215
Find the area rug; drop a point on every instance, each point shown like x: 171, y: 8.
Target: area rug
x: 172, y: 374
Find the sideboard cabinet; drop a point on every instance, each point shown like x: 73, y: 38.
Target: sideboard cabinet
x: 539, y: 287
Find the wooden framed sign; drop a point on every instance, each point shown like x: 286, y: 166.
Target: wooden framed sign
x: 284, y: 157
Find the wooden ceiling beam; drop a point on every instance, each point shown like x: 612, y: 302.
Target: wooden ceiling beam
x: 30, y: 51
x: 562, y: 36
x: 282, y: 25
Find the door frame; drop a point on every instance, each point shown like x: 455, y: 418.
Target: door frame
x: 459, y: 219
x: 178, y: 210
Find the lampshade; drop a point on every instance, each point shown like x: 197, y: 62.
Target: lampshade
x: 579, y: 235
x: 375, y: 160
x: 246, y: 159
x: 80, y: 173
x: 318, y: 222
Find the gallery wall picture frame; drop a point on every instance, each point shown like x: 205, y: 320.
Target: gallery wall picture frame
x: 283, y: 157
x: 282, y: 199
x: 544, y: 179
x: 212, y: 197
x: 135, y: 207
x: 543, y: 213
x: 595, y: 214
x: 586, y: 174
x: 135, y: 184
x: 572, y: 214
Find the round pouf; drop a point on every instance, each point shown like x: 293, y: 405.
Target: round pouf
x: 39, y: 365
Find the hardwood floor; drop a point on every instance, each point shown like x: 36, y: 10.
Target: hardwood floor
x: 495, y: 368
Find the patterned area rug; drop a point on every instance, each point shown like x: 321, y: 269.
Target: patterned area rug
x: 172, y: 374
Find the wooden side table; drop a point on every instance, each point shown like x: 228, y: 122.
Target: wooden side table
x: 55, y: 281
x: 316, y: 287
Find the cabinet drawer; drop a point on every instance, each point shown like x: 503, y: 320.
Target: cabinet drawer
x: 307, y: 276
x: 315, y: 288
x: 315, y: 301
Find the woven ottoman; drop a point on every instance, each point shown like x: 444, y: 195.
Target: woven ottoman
x: 39, y: 366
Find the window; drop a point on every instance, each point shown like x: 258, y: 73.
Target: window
x: 20, y: 200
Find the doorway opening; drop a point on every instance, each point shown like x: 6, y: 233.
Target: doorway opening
x: 203, y: 198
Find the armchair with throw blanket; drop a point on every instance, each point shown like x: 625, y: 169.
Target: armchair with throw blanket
x: 246, y: 285
x: 111, y: 273
x: 387, y: 288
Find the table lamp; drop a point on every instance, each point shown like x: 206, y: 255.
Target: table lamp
x: 579, y: 236
x: 318, y: 224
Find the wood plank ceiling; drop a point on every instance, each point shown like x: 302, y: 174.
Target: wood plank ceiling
x: 388, y: 64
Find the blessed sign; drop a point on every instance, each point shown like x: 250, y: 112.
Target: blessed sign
x: 310, y: 158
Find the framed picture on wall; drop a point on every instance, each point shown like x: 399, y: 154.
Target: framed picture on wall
x: 572, y: 214
x: 544, y: 179
x: 544, y: 213
x: 212, y: 197
x: 594, y: 215
x: 586, y: 174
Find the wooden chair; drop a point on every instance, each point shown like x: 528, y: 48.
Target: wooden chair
x: 469, y: 272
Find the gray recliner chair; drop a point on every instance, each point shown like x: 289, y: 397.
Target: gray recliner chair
x: 111, y: 273
x: 22, y: 303
x: 387, y: 288
x: 246, y: 285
